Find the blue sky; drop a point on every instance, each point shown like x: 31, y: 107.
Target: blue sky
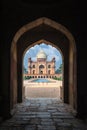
x: 48, y: 49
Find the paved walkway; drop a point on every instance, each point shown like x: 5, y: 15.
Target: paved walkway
x: 43, y: 114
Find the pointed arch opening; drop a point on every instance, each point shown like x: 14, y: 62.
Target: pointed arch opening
x: 54, y: 57
x: 51, y: 32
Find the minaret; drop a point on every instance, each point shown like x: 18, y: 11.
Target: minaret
x: 53, y: 65
x: 29, y: 66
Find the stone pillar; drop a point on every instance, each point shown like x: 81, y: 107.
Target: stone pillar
x: 53, y: 66
x: 29, y: 66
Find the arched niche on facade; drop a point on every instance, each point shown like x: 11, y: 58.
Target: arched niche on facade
x: 41, y: 66
x: 49, y: 32
x: 41, y: 69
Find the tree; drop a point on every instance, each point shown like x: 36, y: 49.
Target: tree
x: 60, y: 69
x: 25, y: 70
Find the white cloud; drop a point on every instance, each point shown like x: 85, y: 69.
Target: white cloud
x: 27, y: 51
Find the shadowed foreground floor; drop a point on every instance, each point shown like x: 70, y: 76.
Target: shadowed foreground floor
x: 43, y: 114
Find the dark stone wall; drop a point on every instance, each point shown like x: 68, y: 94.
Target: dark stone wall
x: 15, y: 14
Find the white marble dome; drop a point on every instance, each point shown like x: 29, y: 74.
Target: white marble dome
x: 41, y: 54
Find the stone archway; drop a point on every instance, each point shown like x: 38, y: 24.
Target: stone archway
x: 41, y: 69
x: 51, y: 32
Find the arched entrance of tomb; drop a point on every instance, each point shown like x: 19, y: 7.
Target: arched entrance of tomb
x: 41, y: 69
x: 55, y: 34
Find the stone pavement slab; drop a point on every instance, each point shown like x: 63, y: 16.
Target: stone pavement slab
x: 43, y: 114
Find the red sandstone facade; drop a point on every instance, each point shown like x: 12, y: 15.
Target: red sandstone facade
x: 41, y: 68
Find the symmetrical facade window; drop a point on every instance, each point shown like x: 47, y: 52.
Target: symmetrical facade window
x: 33, y: 66
x: 33, y: 71
x: 49, y: 66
